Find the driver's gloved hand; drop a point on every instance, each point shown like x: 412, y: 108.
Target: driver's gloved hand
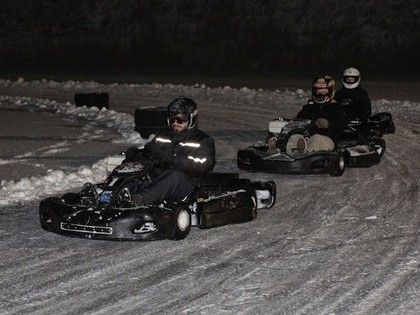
x: 160, y: 155
x: 322, y: 123
x: 272, y: 144
x: 132, y: 153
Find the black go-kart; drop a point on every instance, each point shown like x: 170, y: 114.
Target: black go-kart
x: 102, y: 211
x: 361, y: 145
x: 258, y: 157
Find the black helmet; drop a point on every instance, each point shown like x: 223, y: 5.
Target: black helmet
x: 186, y: 106
x: 323, y: 89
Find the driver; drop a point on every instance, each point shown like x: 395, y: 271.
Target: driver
x: 354, y: 99
x: 184, y: 154
x: 327, y: 116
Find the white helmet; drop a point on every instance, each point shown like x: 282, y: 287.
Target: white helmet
x: 351, y: 78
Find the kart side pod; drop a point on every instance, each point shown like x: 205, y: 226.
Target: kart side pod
x: 237, y: 204
x: 232, y: 208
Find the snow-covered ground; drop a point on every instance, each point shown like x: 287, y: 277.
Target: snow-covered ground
x: 346, y: 245
x: 55, y: 180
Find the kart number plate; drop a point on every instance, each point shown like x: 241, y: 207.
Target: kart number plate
x: 131, y: 167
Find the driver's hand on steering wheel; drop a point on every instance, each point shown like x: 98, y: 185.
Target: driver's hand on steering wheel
x: 322, y: 123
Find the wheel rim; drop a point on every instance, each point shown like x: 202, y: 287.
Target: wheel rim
x: 183, y: 220
x: 341, y: 163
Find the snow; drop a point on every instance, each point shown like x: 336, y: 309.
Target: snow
x: 55, y: 181
x: 330, y: 245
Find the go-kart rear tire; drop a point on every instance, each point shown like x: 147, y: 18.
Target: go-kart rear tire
x: 181, y: 222
x: 379, y: 145
x: 99, y: 100
x: 339, y: 167
x: 269, y: 186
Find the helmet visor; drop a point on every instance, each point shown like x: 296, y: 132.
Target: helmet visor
x: 178, y: 119
x: 350, y: 79
x: 322, y: 92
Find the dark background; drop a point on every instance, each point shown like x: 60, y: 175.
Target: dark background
x: 191, y: 37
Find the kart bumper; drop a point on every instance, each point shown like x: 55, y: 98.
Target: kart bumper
x: 359, y: 156
x: 258, y: 160
x: 149, y: 223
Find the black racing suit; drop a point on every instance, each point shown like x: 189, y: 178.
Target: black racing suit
x: 182, y: 159
x: 332, y: 112
x: 355, y: 102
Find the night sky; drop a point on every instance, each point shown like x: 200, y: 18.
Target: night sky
x: 209, y: 36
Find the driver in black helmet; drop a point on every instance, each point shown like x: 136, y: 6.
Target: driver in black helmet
x: 184, y: 154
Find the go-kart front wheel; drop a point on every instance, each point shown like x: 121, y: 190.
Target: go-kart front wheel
x: 181, y: 222
x: 339, y: 166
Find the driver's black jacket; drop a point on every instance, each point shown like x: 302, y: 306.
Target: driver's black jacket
x: 191, y: 152
x: 332, y: 112
x: 180, y: 160
x: 355, y: 102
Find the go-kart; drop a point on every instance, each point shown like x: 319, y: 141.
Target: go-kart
x: 258, y: 158
x: 360, y: 145
x: 101, y: 211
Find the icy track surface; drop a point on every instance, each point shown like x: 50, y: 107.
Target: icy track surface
x: 331, y: 245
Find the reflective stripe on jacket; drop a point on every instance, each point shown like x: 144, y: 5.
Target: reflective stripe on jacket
x: 192, y: 152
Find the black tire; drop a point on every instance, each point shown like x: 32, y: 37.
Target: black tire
x: 71, y: 199
x: 181, y: 222
x: 390, y: 128
x: 385, y: 120
x: 49, y: 219
x: 269, y: 186
x: 339, y: 166
x: 99, y: 100
x: 379, y: 144
x: 273, y: 191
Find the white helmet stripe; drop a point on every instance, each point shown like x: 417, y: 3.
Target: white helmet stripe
x: 197, y: 160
